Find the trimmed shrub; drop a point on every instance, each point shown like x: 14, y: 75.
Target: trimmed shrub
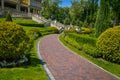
x: 14, y: 43
x: 72, y: 42
x: 109, y: 44
x: 86, y: 30
x: 8, y: 17
x: 71, y: 30
x: 83, y: 42
x: 54, y: 30
x: 35, y: 33
x: 92, y: 51
x: 82, y: 39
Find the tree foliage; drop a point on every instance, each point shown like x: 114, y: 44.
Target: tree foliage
x: 115, y: 5
x: 103, y: 19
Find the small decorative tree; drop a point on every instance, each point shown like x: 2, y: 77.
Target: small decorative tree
x: 8, y: 17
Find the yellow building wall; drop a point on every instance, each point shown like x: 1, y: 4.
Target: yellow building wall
x: 26, y: 2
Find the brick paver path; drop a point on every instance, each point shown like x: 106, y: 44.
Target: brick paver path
x: 65, y: 65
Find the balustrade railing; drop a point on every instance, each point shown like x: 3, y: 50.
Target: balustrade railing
x: 15, y: 13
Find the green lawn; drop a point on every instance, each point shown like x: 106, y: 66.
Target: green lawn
x: 34, y: 71
x: 111, y: 67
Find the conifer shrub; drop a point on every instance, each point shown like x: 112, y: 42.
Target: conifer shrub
x: 109, y: 44
x: 8, y: 17
x: 103, y: 20
x: 15, y: 44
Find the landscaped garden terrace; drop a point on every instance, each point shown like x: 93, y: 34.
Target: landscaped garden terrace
x: 84, y: 44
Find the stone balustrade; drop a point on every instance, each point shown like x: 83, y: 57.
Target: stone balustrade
x: 41, y: 20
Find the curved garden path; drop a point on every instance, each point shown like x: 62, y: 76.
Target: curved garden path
x: 65, y: 65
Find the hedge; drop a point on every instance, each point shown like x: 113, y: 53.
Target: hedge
x: 83, y: 42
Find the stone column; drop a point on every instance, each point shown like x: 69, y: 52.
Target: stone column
x: 33, y: 11
x: 2, y: 6
x: 28, y: 7
x: 36, y: 11
x: 18, y: 5
x: 28, y: 10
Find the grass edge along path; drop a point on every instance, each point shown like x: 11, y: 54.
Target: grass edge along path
x: 34, y: 71
x: 105, y: 65
x: 49, y: 74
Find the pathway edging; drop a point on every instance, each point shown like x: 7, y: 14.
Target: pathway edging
x: 49, y: 74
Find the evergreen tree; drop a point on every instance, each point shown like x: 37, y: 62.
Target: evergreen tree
x: 115, y: 5
x: 8, y: 17
x: 103, y: 19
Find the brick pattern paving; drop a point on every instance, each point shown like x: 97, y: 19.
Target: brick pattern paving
x: 65, y: 65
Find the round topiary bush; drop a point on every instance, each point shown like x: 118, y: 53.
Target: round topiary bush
x: 109, y: 44
x: 14, y: 43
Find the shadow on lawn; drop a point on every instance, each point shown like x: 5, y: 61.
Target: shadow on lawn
x: 36, y: 62
x: 32, y: 25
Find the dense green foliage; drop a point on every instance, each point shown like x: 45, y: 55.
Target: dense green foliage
x: 115, y: 5
x: 86, y: 30
x: 14, y: 43
x: 8, y: 17
x: 83, y: 12
x: 82, y: 39
x: 35, y: 33
x: 54, y: 30
x: 83, y: 42
x: 71, y: 30
x: 103, y: 19
x: 109, y: 44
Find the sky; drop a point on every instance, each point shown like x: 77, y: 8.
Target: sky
x: 65, y: 3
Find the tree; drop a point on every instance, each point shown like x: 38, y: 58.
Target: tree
x: 115, y: 5
x: 103, y: 18
x: 77, y: 12
x: 63, y: 13
x: 50, y: 8
x: 67, y: 21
